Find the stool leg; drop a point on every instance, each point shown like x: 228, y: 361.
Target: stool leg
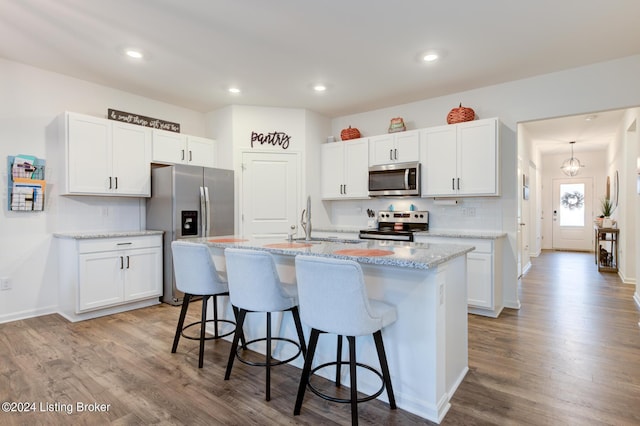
x: 268, y: 353
x: 242, y: 340
x: 296, y: 319
x: 234, y: 346
x: 183, y: 314
x: 377, y: 337
x: 203, y: 326
x: 306, y: 369
x: 354, y: 381
x: 338, y: 360
x: 215, y: 316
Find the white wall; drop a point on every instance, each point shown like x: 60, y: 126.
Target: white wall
x: 32, y: 99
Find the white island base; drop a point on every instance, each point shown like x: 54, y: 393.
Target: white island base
x: 426, y: 347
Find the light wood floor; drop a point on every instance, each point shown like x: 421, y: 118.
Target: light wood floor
x: 570, y: 355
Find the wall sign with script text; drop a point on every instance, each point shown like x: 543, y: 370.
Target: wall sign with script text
x: 141, y: 120
x: 273, y: 138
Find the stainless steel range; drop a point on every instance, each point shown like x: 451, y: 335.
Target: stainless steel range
x: 397, y: 226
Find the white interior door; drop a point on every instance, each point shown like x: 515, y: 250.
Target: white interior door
x: 270, y: 190
x: 573, y: 214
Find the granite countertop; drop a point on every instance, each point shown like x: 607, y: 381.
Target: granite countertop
x: 389, y: 253
x: 104, y: 234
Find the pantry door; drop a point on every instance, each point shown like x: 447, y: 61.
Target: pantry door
x: 270, y: 193
x: 573, y: 214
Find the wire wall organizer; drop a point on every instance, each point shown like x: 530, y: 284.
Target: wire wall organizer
x: 27, y: 186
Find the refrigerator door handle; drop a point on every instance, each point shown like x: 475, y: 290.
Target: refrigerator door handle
x: 207, y: 204
x: 203, y: 213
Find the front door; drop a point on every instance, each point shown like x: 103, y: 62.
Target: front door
x: 270, y: 191
x: 573, y: 214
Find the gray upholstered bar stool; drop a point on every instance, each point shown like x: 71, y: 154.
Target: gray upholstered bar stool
x: 333, y: 299
x: 196, y: 275
x: 255, y: 286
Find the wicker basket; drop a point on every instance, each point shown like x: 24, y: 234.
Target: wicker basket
x: 350, y: 133
x: 460, y: 115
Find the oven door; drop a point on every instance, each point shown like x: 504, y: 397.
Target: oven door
x: 370, y: 234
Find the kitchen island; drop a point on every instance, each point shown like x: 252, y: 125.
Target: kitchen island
x: 426, y: 347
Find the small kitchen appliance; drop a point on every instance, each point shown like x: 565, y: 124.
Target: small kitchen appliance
x: 397, y: 226
x: 396, y: 179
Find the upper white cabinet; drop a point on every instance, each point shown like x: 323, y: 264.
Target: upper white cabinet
x: 461, y: 159
x: 394, y: 148
x: 177, y: 148
x: 345, y: 169
x: 105, y: 157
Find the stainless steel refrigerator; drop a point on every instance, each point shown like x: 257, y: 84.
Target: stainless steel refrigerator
x: 188, y: 202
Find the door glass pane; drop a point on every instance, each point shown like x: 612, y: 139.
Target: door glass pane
x: 572, y: 212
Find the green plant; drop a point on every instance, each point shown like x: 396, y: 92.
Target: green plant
x: 607, y: 207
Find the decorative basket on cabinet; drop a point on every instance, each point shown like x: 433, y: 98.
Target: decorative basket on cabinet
x: 460, y: 115
x: 350, y: 133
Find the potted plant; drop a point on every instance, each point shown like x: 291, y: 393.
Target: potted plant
x: 607, y: 210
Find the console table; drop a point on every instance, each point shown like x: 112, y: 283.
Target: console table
x: 606, y: 248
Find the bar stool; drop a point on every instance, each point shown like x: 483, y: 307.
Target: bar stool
x: 196, y: 275
x: 333, y: 299
x: 254, y: 286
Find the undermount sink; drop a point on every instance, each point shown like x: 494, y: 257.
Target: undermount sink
x: 318, y: 240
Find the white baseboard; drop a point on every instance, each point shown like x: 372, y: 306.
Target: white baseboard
x: 31, y: 313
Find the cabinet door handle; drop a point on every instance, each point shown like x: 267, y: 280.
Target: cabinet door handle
x: 124, y: 244
x: 395, y: 154
x: 110, y: 183
x: 345, y: 189
x: 190, y: 156
x: 127, y: 262
x: 182, y: 151
x: 453, y: 184
x: 458, y: 184
x: 390, y: 154
x: 116, y: 182
x: 121, y: 262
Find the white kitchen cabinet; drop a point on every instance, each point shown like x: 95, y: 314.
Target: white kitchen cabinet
x: 398, y: 147
x: 105, y: 157
x: 177, y: 148
x: 484, y: 275
x: 345, y: 169
x: 461, y: 159
x: 99, y: 276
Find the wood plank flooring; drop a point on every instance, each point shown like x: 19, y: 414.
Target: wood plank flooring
x: 569, y: 356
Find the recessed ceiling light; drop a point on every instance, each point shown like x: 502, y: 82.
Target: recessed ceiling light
x: 430, y: 57
x: 319, y: 87
x: 133, y: 53
x: 590, y: 117
x: 234, y: 90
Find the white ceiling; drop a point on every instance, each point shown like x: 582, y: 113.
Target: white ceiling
x: 365, y: 51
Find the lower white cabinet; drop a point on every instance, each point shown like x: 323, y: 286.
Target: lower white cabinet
x: 484, y: 275
x: 100, y: 276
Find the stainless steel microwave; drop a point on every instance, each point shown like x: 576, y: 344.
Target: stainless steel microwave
x: 396, y: 179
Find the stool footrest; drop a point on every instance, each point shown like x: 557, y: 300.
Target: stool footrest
x: 216, y: 321
x: 344, y: 400
x: 273, y: 362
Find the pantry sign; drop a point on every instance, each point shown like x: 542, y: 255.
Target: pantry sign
x: 280, y: 139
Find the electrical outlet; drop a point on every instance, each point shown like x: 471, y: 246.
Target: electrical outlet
x: 5, y: 284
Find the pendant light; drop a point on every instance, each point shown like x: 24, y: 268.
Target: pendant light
x: 571, y: 166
